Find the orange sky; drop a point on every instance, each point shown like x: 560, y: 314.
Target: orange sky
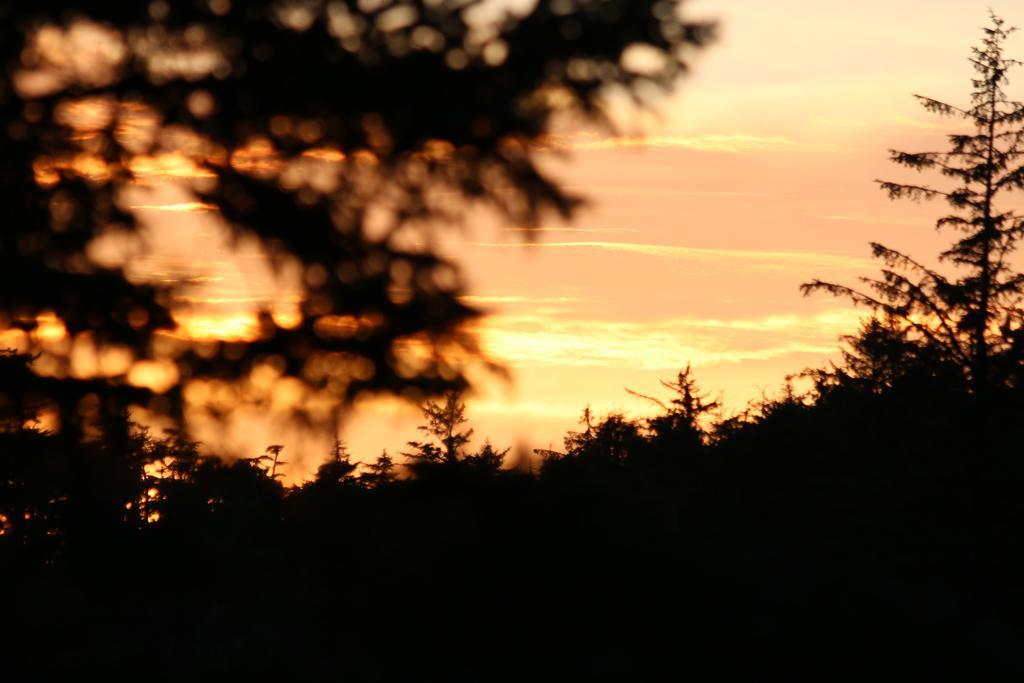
x: 755, y: 177
x: 704, y: 218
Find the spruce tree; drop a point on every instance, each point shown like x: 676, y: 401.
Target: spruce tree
x: 680, y: 426
x: 444, y: 418
x: 972, y: 316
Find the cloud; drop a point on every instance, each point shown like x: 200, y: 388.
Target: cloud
x: 734, y: 143
x: 749, y: 258
x: 181, y: 207
x: 574, y: 230
x: 868, y: 219
x: 532, y: 300
x: 531, y: 409
x: 639, y: 191
x: 542, y: 340
x: 147, y: 168
x: 938, y: 125
x: 255, y: 301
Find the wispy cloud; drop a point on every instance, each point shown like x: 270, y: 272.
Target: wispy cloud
x: 936, y: 125
x: 734, y: 143
x: 553, y: 341
x: 641, y: 191
x: 254, y: 301
x: 750, y: 258
x: 181, y: 207
x: 870, y: 219
x: 533, y: 300
x: 573, y: 230
x: 533, y: 410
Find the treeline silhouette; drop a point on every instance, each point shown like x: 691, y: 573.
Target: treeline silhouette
x: 829, y: 533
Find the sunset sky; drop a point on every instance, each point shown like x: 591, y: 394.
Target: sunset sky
x: 703, y: 218
x: 512, y: 340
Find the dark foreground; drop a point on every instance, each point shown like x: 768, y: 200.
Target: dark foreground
x: 856, y: 534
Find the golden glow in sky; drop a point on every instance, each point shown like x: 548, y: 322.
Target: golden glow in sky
x: 703, y: 219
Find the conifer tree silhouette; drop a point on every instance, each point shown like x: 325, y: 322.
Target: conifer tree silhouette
x: 339, y: 466
x: 680, y: 425
x: 975, y: 315
x: 974, y: 319
x: 379, y: 472
x: 488, y: 458
x: 608, y: 440
x: 444, y: 419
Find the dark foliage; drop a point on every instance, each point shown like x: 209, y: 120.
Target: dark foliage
x: 828, y: 534
x: 329, y: 132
